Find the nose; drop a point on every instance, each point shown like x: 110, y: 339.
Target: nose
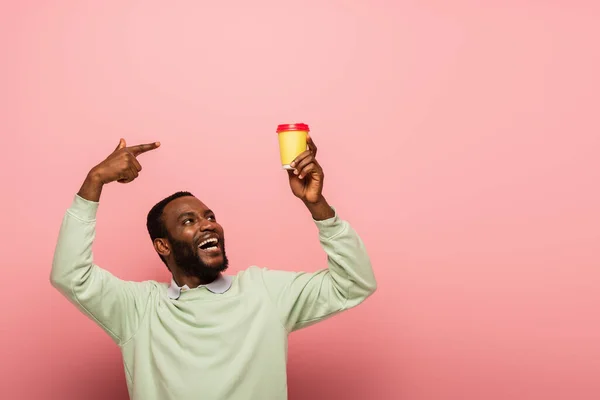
x: 206, y: 225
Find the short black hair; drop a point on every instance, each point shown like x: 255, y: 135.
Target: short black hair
x: 156, y: 224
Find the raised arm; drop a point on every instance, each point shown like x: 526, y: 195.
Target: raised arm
x: 114, y: 304
x: 301, y: 298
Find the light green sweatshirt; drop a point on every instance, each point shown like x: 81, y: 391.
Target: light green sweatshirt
x: 206, y: 345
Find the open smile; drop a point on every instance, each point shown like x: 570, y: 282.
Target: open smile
x: 209, y: 246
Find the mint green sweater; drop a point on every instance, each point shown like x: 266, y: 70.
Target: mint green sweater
x: 206, y: 345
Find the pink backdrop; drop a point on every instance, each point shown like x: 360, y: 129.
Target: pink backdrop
x: 461, y: 141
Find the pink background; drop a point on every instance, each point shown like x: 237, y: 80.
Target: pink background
x: 461, y: 140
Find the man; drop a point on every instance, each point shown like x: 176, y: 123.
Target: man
x: 206, y: 335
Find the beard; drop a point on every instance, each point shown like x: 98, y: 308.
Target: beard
x: 188, y: 260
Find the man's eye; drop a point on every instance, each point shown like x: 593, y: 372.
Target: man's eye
x: 212, y: 218
x: 185, y: 221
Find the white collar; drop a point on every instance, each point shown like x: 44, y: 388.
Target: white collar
x: 219, y: 285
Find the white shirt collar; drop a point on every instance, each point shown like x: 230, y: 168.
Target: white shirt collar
x: 219, y: 285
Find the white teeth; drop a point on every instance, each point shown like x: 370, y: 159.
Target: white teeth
x: 211, y: 240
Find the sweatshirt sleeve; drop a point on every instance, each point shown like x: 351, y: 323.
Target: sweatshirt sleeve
x: 303, y: 299
x: 115, y: 305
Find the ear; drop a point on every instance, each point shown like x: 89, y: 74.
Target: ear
x: 162, y: 247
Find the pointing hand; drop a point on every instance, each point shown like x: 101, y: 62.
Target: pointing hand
x: 122, y: 164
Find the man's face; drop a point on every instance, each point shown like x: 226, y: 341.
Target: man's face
x: 196, y: 240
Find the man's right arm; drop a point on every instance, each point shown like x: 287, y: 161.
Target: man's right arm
x: 116, y: 305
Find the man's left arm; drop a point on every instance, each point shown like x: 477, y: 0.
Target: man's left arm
x: 302, y: 298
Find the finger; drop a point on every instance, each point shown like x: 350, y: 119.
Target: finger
x: 310, y: 168
x: 121, y: 144
x: 305, y: 161
x: 136, y: 163
x: 124, y: 178
x: 130, y: 174
x: 142, y: 148
x: 299, y: 158
x: 311, y: 145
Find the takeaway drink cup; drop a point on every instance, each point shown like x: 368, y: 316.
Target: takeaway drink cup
x: 292, y: 142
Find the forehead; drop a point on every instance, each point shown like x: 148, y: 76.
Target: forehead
x: 183, y: 205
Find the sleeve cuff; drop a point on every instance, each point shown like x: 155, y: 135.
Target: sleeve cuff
x: 331, y: 226
x: 84, y: 209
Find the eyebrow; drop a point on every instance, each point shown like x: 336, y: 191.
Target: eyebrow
x: 193, y: 214
x: 186, y: 214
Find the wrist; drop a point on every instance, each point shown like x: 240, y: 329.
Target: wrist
x: 320, y: 210
x: 91, y: 188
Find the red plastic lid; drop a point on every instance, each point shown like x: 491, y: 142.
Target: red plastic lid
x: 292, y: 127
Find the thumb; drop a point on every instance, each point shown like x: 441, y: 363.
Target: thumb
x: 121, y: 145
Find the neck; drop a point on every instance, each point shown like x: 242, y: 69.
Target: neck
x: 191, y: 280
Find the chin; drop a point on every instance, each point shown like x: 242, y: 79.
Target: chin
x: 214, y: 262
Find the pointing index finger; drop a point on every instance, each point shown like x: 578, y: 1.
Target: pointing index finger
x: 142, y: 148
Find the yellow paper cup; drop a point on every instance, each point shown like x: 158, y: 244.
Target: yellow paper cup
x: 292, y: 142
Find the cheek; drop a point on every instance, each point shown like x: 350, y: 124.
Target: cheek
x: 187, y: 234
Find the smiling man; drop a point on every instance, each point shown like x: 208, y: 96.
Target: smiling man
x: 206, y: 335
x: 195, y: 254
